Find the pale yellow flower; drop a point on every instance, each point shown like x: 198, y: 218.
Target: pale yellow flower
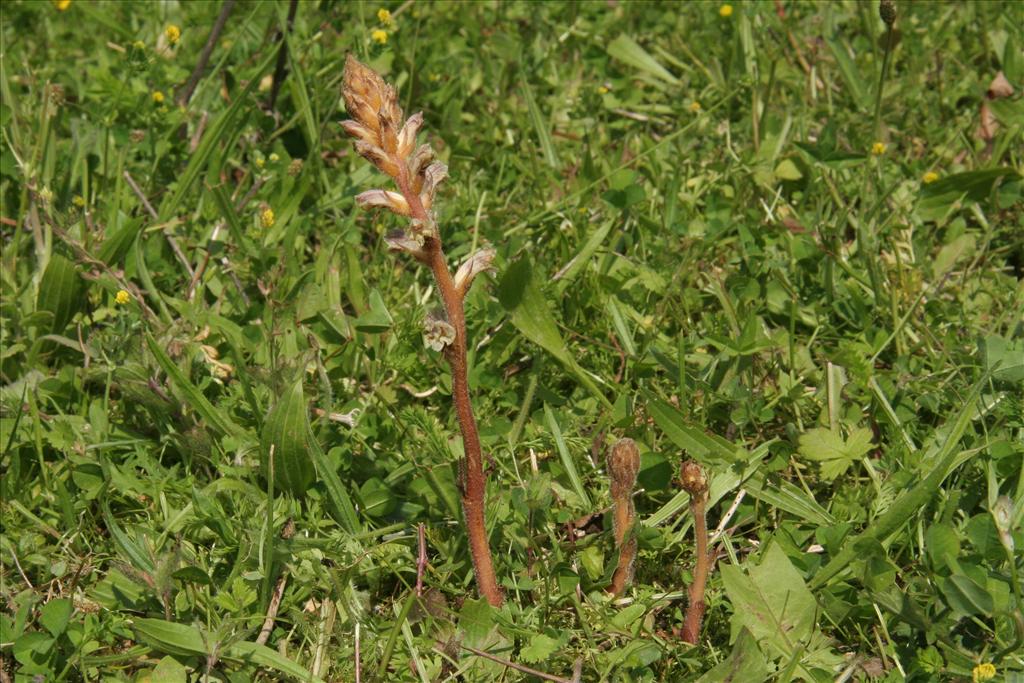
x: 122, y: 297
x: 139, y: 45
x: 695, y: 106
x: 929, y: 177
x: 378, y: 36
x: 78, y: 200
x: 260, y: 163
x: 61, y: 5
x: 983, y: 672
x: 274, y: 158
x: 602, y: 90
x: 878, y: 149
x: 384, y: 16
x: 158, y: 97
x: 725, y: 11
x: 173, y: 34
x: 267, y: 218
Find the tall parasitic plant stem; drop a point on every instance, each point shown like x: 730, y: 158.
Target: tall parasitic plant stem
x: 388, y: 140
x: 695, y: 482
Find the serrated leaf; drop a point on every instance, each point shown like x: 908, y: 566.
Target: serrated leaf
x: 745, y: 663
x: 834, y: 452
x: 541, y: 647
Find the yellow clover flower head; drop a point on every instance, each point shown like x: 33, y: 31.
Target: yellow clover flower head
x: 122, y: 297
x: 173, y: 34
x: 983, y: 672
x: 78, y: 200
x: 61, y: 5
x: 384, y: 16
x: 260, y: 163
x: 725, y: 11
x: 929, y: 177
x: 878, y: 149
x: 602, y: 90
x: 695, y: 106
x: 158, y: 97
x: 274, y: 158
x: 139, y: 45
x: 379, y: 36
x: 267, y: 218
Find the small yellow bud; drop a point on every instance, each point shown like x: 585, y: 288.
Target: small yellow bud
x: 78, y: 200
x: 274, y: 158
x: 260, y: 163
x: 122, y: 297
x: 173, y: 34
x: 267, y: 218
x: 695, y: 106
x: 378, y: 36
x: 725, y: 11
x: 878, y: 149
x: 602, y: 90
x: 384, y: 16
x: 46, y: 195
x: 61, y: 5
x: 158, y: 97
x: 983, y: 672
x: 929, y: 177
x: 139, y: 45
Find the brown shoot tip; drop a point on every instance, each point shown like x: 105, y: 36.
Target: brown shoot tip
x: 695, y: 481
x: 623, y: 465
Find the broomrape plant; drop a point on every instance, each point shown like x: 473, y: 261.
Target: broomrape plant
x: 388, y: 140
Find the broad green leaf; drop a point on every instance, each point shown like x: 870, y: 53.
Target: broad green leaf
x: 949, y: 255
x: 169, y: 670
x: 1004, y: 358
x: 285, y: 431
x: 574, y: 267
x: 626, y: 50
x: 848, y: 70
x: 772, y: 602
x: 61, y: 292
x: 377, y: 319
x: 834, y: 452
x: 745, y: 663
x: 476, y: 620
x: 943, y: 545
x: 55, y: 615
x: 520, y: 295
x: 542, y: 646
x: 965, y: 596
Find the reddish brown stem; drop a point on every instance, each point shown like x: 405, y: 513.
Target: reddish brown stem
x: 474, y: 483
x: 696, y: 607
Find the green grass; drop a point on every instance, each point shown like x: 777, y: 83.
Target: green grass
x: 697, y: 249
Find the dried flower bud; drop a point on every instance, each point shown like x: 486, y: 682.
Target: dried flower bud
x: 369, y: 100
x: 623, y: 465
x: 999, y: 87
x: 438, y: 332
x: 378, y: 157
x: 695, y: 482
x: 478, y: 262
x: 1002, y: 515
x: 421, y: 159
x: 392, y: 201
x: 411, y: 243
x: 887, y: 11
x: 433, y: 175
x: 407, y: 136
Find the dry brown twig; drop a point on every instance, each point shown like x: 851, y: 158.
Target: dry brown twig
x: 388, y: 140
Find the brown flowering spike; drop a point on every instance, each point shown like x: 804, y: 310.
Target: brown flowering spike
x: 623, y: 465
x: 388, y: 141
x: 695, y: 482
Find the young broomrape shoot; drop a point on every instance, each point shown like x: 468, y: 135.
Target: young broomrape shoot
x: 386, y: 139
x: 695, y: 482
x: 623, y: 465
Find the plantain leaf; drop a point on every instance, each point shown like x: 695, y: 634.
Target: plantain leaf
x: 626, y: 50
x: 285, y: 431
x: 60, y: 292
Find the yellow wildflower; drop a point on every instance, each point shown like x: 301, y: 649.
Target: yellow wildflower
x: 384, y: 16
x: 695, y: 106
x: 61, y: 5
x: 602, y: 90
x: 78, y: 200
x: 267, y: 218
x: 274, y: 158
x: 158, y: 97
x: 173, y: 34
x: 260, y: 163
x: 878, y: 149
x: 46, y: 195
x: 122, y: 297
x: 378, y: 36
x: 725, y: 11
x: 983, y: 672
x: 139, y: 45
x: 929, y: 177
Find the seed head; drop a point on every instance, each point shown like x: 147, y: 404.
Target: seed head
x: 887, y: 10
